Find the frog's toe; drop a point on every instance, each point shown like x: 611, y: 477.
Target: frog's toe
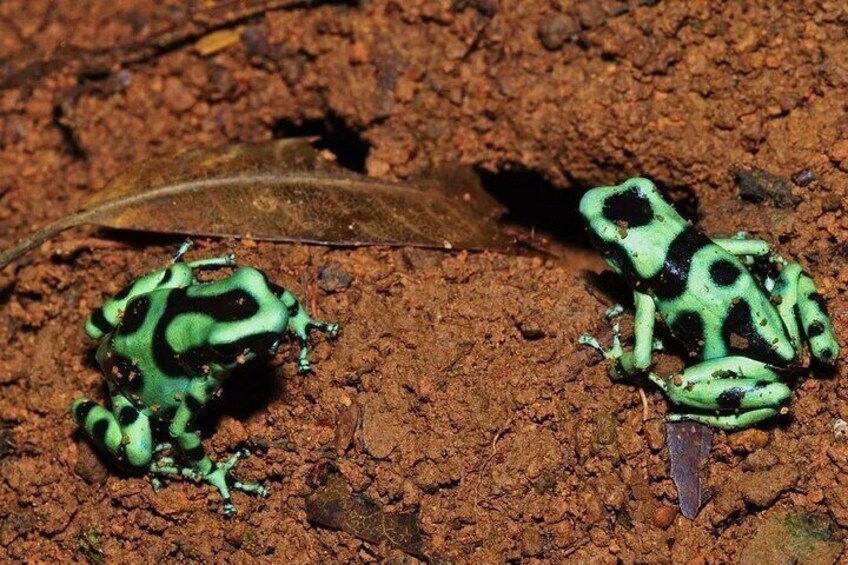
x: 333, y: 330
x: 256, y: 489
x: 229, y: 509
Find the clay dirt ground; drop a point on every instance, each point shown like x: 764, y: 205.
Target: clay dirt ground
x: 474, y: 405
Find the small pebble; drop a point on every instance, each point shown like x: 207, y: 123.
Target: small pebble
x: 531, y: 330
x: 333, y: 278
x: 256, y: 41
x: 655, y: 434
x: 748, y: 440
x: 832, y: 203
x: 553, y: 32
x: 532, y: 542
x: 664, y: 516
x: 804, y: 177
x: 176, y: 96
x: 840, y: 430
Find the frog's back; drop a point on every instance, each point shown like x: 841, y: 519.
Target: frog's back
x: 708, y: 299
x: 717, y: 308
x: 168, y: 336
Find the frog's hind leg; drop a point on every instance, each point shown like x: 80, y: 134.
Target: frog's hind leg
x: 803, y: 310
x: 300, y: 322
x: 124, y: 432
x: 729, y: 422
x: 729, y: 393
x: 201, y: 468
x: 816, y: 322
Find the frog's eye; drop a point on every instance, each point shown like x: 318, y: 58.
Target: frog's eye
x: 629, y: 206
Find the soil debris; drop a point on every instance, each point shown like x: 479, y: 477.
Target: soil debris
x: 789, y: 537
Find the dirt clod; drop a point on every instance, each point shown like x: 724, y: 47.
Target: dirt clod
x: 556, y: 30
x: 762, y: 488
x: 333, y: 278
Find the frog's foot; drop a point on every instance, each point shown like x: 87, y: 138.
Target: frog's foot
x: 227, y: 260
x: 611, y: 354
x: 615, y: 354
x: 163, y: 446
x: 185, y: 247
x: 219, y: 477
x: 730, y: 422
x: 614, y: 311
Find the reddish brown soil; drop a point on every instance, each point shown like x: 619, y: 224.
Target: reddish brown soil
x: 476, y: 406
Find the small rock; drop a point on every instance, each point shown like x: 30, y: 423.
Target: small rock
x: 333, y: 278
x: 6, y: 444
x: 664, y: 516
x: 762, y: 488
x: 417, y: 258
x: 655, y: 434
x: 804, y: 177
x: 591, y: 14
x: 554, y: 31
x: 531, y: 330
x: 757, y: 185
x: 176, y: 96
x: 749, y: 440
x: 760, y: 460
x: 840, y: 430
x: 532, y: 542
x: 832, y: 203
x: 838, y: 154
x: 256, y: 41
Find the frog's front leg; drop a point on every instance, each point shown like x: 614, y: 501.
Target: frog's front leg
x: 300, y: 322
x: 124, y: 432
x: 797, y: 299
x: 628, y: 363
x: 728, y: 393
x: 201, y: 468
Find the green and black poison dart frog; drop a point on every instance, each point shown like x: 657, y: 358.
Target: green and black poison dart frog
x: 166, y: 343
x: 745, y: 329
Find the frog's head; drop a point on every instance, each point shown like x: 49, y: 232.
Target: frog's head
x: 629, y: 220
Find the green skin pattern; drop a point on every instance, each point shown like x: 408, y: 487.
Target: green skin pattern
x: 166, y: 343
x: 745, y: 330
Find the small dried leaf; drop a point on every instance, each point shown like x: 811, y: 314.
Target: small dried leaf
x: 689, y: 445
x: 216, y: 41
x: 334, y: 506
x: 282, y: 190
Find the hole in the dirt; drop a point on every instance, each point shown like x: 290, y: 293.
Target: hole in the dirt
x: 335, y: 135
x: 537, y: 204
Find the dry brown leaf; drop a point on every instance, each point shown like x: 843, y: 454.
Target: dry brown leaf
x: 334, y: 506
x: 283, y: 190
